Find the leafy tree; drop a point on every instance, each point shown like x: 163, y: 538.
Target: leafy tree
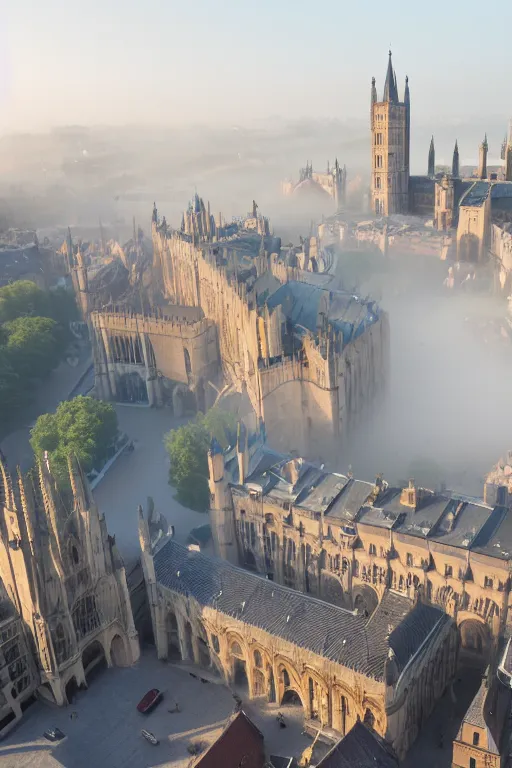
x: 22, y: 298
x: 187, y: 447
x: 13, y: 395
x: 35, y: 345
x: 83, y: 426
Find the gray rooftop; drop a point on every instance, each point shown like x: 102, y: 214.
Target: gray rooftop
x: 326, y: 630
x: 361, y: 748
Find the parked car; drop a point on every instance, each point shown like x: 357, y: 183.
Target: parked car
x: 54, y: 734
x: 149, y: 737
x: 149, y: 701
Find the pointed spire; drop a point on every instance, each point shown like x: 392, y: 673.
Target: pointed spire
x: 485, y: 145
x: 374, y: 92
x: 390, y: 92
x: 432, y: 159
x: 455, y: 161
x: 407, y: 95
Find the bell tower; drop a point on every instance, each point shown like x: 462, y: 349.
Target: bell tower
x: 390, y: 134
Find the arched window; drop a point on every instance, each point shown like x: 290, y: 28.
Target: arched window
x: 188, y: 365
x: 215, y: 643
x: 257, y: 659
x: 286, y: 678
x: 236, y: 650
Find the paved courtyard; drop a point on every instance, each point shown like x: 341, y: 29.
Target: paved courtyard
x: 135, y: 476
x: 106, y: 733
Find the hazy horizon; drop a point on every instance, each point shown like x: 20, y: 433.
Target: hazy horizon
x: 206, y: 63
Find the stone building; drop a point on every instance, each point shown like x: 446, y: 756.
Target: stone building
x: 65, y: 604
x: 331, y: 183
x: 240, y: 314
x: 483, y: 737
x: 340, y: 666
x: 468, y: 205
x: 348, y: 541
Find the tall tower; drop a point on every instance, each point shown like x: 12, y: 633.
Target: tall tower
x: 455, y: 162
x: 482, y: 160
x: 431, y: 159
x: 390, y: 129
x: 508, y: 155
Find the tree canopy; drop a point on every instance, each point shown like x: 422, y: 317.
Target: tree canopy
x: 188, y: 446
x: 34, y: 331
x: 83, y: 426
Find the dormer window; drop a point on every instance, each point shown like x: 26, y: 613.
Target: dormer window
x: 409, y: 560
x: 488, y: 582
x: 448, y: 571
x: 372, y: 549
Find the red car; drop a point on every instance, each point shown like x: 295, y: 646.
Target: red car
x: 149, y: 701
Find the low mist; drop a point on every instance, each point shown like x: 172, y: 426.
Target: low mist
x: 445, y: 415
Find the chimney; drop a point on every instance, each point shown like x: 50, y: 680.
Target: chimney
x: 408, y: 496
x: 291, y: 470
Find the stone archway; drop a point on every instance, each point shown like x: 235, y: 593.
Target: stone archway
x: 71, y: 690
x: 365, y: 599
x: 475, y: 642
x: 239, y: 665
x: 131, y: 388
x: 118, y: 653
x: 291, y: 697
x: 93, y: 660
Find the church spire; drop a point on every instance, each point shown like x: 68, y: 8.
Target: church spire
x: 374, y: 92
x: 432, y: 159
x: 390, y: 92
x: 407, y: 95
x: 455, y: 162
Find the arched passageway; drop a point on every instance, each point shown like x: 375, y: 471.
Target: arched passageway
x: 118, y: 652
x: 291, y: 697
x: 475, y: 643
x: 93, y: 660
x: 71, y: 690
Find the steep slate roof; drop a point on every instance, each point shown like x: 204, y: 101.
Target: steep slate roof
x: 300, y: 304
x: 327, y: 630
x: 360, y: 748
x: 239, y: 740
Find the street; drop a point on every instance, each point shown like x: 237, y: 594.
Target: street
x: 139, y: 474
x: 106, y: 731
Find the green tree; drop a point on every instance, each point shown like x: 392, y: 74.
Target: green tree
x: 83, y: 426
x: 22, y: 298
x: 35, y: 345
x: 13, y: 392
x: 187, y: 447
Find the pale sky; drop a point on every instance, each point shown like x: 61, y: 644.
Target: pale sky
x: 234, y: 61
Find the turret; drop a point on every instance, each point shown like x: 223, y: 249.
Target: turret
x: 508, y: 155
x: 374, y: 93
x: 482, y: 161
x: 407, y: 102
x: 431, y: 159
x: 390, y: 90
x: 455, y: 162
x: 221, y: 507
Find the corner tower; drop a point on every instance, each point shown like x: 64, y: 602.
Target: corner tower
x: 390, y: 128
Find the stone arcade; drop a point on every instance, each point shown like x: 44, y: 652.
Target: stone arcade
x: 340, y: 666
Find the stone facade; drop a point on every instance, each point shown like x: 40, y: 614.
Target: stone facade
x: 482, y: 740
x: 242, y: 314
x: 340, y: 666
x: 390, y: 131
x: 66, y: 606
x: 348, y: 541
